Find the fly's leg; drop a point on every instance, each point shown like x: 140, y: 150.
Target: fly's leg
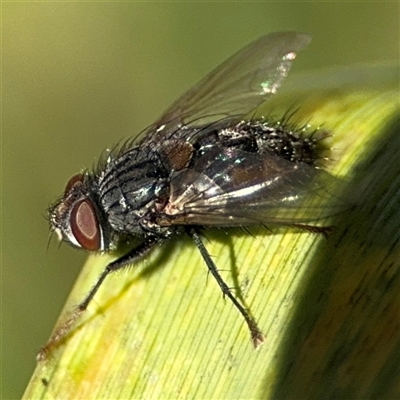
x: 256, y: 335
x: 324, y: 230
x: 127, y: 259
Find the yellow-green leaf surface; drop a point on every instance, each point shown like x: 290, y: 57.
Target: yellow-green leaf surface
x: 329, y: 307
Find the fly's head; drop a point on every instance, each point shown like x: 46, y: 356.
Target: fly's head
x: 76, y: 217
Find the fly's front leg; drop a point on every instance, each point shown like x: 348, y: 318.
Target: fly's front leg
x: 131, y: 257
x: 256, y: 335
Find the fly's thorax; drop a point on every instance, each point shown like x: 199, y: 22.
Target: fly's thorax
x: 132, y: 186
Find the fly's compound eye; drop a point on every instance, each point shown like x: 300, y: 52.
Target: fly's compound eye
x: 75, y: 180
x: 85, y: 225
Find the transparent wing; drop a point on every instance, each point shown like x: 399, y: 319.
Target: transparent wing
x: 234, y: 88
x: 242, y: 82
x: 230, y: 187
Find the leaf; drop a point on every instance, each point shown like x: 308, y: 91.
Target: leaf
x: 329, y: 308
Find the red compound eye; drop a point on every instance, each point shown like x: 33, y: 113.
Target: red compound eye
x: 85, y: 226
x: 72, y: 182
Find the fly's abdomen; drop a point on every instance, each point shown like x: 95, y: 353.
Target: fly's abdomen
x: 291, y: 143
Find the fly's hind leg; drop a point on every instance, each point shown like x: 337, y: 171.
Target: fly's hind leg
x: 324, y: 230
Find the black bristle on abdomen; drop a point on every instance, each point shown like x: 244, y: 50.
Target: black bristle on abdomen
x: 295, y: 144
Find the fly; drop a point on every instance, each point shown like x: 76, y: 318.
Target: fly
x: 202, y: 164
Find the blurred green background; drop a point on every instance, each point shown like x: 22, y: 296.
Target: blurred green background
x: 78, y: 77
